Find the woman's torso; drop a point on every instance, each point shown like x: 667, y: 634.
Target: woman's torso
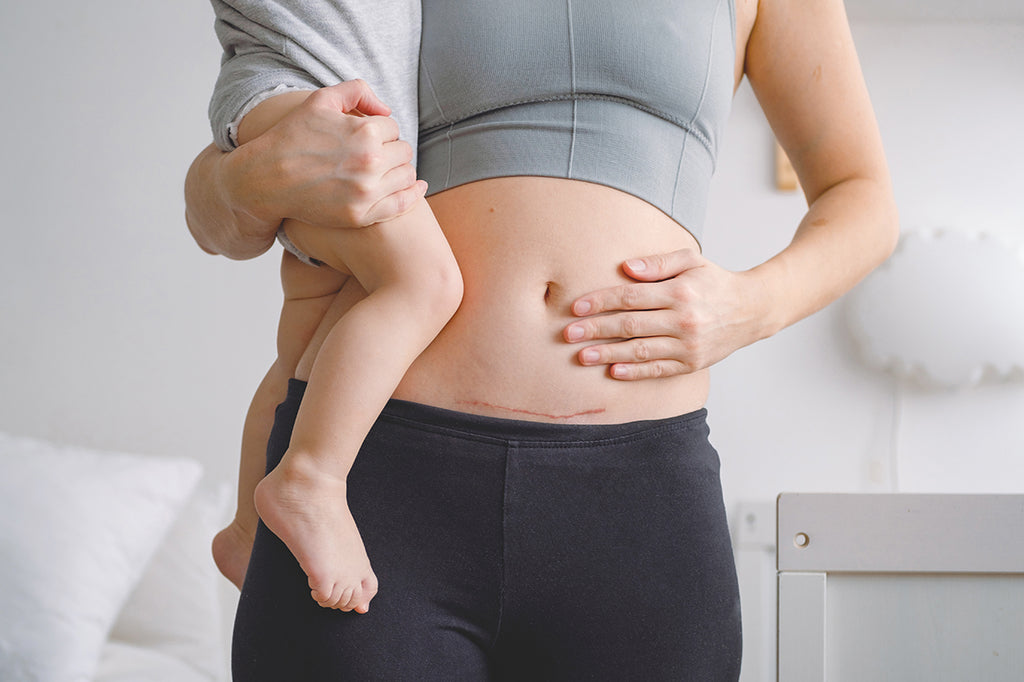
x: 528, y: 247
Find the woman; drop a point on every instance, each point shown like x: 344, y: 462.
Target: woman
x: 541, y: 501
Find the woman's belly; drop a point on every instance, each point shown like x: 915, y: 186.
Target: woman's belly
x: 527, y: 248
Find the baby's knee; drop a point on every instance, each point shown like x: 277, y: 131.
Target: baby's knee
x: 435, y: 287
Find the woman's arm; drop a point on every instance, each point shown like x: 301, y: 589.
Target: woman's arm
x: 803, y: 67
x: 687, y: 313
x: 318, y: 165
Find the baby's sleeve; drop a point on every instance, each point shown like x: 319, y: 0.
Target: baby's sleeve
x: 273, y: 46
x: 259, y: 61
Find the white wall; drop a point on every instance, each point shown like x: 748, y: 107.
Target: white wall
x: 115, y: 330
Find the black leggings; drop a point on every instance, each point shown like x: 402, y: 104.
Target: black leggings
x: 510, y: 550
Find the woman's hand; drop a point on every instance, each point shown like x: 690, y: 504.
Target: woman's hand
x: 684, y: 314
x: 303, y: 156
x: 320, y: 164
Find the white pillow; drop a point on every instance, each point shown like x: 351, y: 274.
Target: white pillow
x: 127, y: 663
x: 77, y: 526
x: 175, y: 608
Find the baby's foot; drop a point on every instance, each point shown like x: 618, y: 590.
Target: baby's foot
x: 231, y: 549
x: 308, y: 510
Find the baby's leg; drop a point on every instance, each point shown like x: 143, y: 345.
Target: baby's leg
x: 413, y: 287
x: 233, y: 544
x: 308, y: 293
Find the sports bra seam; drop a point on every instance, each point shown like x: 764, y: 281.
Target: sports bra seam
x: 572, y: 84
x: 448, y: 139
x: 444, y: 117
x: 707, y: 71
x: 679, y: 171
x: 433, y: 91
x: 700, y: 105
x: 679, y: 123
x: 707, y: 74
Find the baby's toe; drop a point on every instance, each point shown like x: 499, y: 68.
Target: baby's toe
x: 348, y: 600
x: 324, y: 594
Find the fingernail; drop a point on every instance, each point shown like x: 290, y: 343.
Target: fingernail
x: 590, y: 355
x: 619, y: 371
x: 636, y: 265
x: 574, y: 333
x: 582, y: 307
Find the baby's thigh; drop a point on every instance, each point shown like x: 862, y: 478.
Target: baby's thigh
x: 324, y: 244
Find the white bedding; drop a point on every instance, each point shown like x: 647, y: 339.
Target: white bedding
x: 105, y: 569
x: 121, y: 662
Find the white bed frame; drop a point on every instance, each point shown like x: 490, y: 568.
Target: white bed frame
x: 900, y: 587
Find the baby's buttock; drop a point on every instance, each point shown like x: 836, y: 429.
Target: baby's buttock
x: 527, y: 248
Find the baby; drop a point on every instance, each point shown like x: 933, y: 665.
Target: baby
x: 370, y: 299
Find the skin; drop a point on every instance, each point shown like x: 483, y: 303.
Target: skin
x: 565, y: 319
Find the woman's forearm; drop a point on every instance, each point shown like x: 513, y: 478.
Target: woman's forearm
x: 215, y: 219
x: 848, y: 231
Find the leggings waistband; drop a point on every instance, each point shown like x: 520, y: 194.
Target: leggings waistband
x: 475, y: 426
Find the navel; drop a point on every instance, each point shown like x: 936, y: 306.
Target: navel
x: 547, y: 291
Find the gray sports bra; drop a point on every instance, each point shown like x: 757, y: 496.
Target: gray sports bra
x: 633, y: 94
